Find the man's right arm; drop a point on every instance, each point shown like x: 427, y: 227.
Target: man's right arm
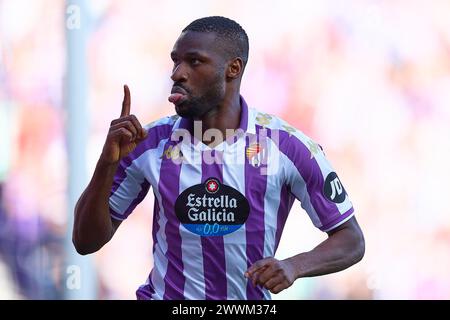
x: 93, y: 225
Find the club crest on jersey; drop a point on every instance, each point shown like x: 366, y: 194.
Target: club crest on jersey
x: 212, y: 208
x: 255, y: 153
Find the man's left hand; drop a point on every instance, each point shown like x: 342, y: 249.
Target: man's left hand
x: 274, y: 275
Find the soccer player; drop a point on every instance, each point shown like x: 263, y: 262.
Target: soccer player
x: 224, y: 177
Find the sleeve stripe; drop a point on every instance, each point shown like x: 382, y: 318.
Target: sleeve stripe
x: 338, y: 221
x: 115, y: 215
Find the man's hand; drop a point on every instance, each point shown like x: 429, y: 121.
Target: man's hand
x: 125, y: 133
x: 274, y: 275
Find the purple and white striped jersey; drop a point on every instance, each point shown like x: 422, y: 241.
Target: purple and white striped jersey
x: 218, y: 210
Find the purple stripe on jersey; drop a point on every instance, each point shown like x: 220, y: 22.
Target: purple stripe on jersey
x: 214, y: 265
x: 156, y: 226
x: 255, y: 189
x: 310, y: 171
x: 145, y: 292
x: 155, y: 135
x: 145, y: 186
x: 286, y: 201
x: 168, y: 187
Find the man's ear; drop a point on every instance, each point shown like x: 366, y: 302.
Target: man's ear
x: 235, y: 68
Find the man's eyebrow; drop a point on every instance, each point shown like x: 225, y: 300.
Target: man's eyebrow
x: 194, y: 53
x: 190, y: 53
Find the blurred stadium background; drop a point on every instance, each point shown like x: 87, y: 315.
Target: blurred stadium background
x: 369, y: 80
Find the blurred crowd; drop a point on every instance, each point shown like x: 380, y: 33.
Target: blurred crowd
x: 369, y: 80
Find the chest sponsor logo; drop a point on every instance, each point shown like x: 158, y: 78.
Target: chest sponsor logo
x: 212, y: 208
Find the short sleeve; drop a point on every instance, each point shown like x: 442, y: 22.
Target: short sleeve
x: 130, y: 184
x: 129, y: 188
x: 315, y: 184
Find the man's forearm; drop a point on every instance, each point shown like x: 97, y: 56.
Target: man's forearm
x: 341, y: 250
x: 92, y: 225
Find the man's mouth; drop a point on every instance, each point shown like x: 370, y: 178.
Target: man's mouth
x: 178, y: 95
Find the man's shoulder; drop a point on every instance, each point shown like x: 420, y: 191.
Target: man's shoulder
x: 162, y: 126
x: 261, y: 120
x: 288, y: 138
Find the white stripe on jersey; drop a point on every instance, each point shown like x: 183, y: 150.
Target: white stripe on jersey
x: 235, y: 243
x: 160, y: 260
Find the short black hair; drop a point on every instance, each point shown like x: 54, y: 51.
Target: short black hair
x: 232, y: 37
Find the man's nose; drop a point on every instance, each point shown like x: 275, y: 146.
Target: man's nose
x: 179, y: 73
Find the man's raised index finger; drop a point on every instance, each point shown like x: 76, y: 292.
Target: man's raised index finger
x: 126, y: 102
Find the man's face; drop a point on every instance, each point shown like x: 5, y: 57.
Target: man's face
x: 198, y: 74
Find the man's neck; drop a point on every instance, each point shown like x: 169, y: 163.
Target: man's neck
x: 225, y: 118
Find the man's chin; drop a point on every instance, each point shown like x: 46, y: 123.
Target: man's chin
x: 184, y: 110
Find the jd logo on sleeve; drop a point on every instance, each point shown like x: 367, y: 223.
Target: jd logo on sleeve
x: 333, y: 189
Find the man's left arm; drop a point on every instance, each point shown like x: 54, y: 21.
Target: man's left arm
x: 344, y: 247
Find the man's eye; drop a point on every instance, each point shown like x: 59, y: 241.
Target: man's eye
x: 195, y: 61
